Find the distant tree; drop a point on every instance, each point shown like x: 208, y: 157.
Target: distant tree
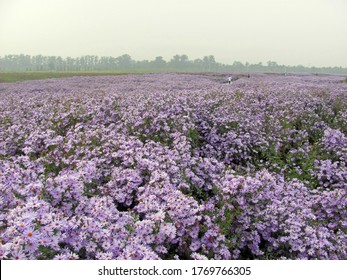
x: 238, y: 66
x: 184, y: 62
x: 198, y: 64
x: 124, y: 62
x: 158, y: 63
x: 142, y: 65
x: 175, y: 61
x: 23, y: 62
x: 69, y: 64
x: 209, y: 63
x: 272, y: 66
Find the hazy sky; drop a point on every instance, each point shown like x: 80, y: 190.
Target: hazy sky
x: 307, y: 32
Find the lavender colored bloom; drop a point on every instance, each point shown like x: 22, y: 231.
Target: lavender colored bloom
x: 174, y: 166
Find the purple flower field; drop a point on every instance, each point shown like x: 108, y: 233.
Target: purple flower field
x: 174, y: 166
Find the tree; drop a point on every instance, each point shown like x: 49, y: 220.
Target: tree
x: 124, y: 61
x: 158, y: 63
x: 209, y: 62
x: 238, y: 66
x: 181, y: 62
x: 272, y: 65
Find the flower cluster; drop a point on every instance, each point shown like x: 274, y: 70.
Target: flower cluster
x: 174, y: 166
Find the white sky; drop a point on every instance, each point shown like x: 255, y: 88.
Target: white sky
x: 307, y: 32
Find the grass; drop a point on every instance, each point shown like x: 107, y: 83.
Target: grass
x: 18, y: 76
x: 10, y: 77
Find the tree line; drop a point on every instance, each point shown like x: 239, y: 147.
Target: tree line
x: 23, y: 62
